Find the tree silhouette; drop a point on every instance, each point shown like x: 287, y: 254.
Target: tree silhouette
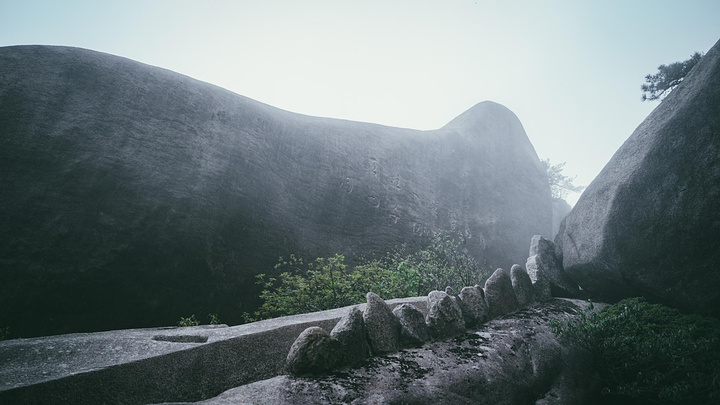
x: 659, y: 85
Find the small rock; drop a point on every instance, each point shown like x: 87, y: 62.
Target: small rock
x: 444, y: 316
x: 499, y: 294
x: 350, y: 331
x: 449, y: 291
x: 414, y: 330
x: 383, y: 328
x: 474, y: 299
x: 522, y: 285
x: 541, y: 284
x: 313, y: 352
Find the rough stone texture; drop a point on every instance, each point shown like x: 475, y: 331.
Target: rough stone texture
x: 314, y: 351
x: 444, y: 317
x: 497, y: 365
x: 474, y: 299
x: 383, y: 328
x: 649, y: 224
x: 350, y: 331
x: 105, y: 367
x: 449, y: 291
x: 138, y: 192
x: 499, y: 294
x: 540, y: 282
x: 414, y: 330
x: 547, y: 261
x: 522, y: 286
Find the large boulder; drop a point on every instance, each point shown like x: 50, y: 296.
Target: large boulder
x: 499, y: 294
x: 350, y: 331
x: 444, y: 317
x: 522, y: 285
x: 132, y: 195
x: 414, y: 331
x: 474, y: 300
x: 383, y: 327
x: 649, y: 224
x: 313, y: 352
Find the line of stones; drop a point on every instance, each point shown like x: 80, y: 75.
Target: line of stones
x: 378, y: 330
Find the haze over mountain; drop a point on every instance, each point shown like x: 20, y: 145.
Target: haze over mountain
x: 133, y: 195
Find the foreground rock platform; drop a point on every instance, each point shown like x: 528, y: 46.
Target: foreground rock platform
x: 141, y: 366
x: 515, y: 359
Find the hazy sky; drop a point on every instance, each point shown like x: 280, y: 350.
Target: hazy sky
x: 570, y: 70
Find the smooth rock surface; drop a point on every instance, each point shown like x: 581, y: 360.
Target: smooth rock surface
x: 522, y: 286
x: 649, y: 224
x: 515, y: 360
x: 350, y: 331
x: 313, y: 352
x: 547, y: 261
x: 499, y: 294
x: 444, y: 317
x: 474, y: 300
x: 414, y: 331
x: 133, y: 195
x: 383, y: 328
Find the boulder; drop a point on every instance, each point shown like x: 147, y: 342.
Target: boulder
x: 351, y: 333
x: 132, y: 190
x: 383, y: 328
x: 548, y: 263
x: 522, y: 286
x: 649, y: 223
x: 444, y: 317
x: 313, y: 352
x: 414, y: 330
x: 474, y: 299
x: 540, y: 282
x: 499, y: 294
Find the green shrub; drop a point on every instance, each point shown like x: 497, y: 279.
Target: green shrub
x: 650, y: 353
x: 191, y: 321
x: 214, y: 319
x: 327, y: 283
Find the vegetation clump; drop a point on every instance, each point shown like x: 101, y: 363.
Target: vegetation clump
x: 190, y: 321
x: 326, y: 283
x: 649, y: 353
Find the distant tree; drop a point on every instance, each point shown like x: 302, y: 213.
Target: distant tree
x: 659, y: 85
x: 560, y: 185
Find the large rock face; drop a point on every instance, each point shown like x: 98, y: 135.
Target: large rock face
x: 649, y: 224
x: 132, y: 195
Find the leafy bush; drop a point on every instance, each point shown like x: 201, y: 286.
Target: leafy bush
x: 327, y: 283
x: 650, y: 353
x: 191, y: 321
x: 214, y: 319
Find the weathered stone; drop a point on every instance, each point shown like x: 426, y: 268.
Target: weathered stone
x: 474, y: 299
x: 444, y: 317
x: 383, y: 328
x: 522, y: 286
x: 649, y: 224
x: 560, y: 209
x: 314, y: 351
x: 543, y: 370
x: 414, y: 330
x: 499, y: 294
x: 546, y: 260
x: 450, y: 291
x: 541, y: 284
x: 350, y: 331
x: 176, y: 179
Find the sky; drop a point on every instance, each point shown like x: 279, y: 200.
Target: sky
x: 570, y: 70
